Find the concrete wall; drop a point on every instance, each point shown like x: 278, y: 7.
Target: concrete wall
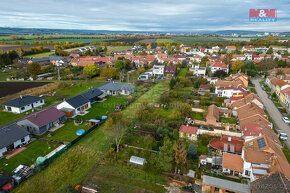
x: 217, y: 132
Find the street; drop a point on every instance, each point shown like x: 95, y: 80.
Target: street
x: 274, y: 113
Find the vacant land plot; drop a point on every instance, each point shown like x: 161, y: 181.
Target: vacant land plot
x: 8, y: 88
x: 148, y: 41
x: 81, y: 158
x: 164, y: 40
x: 118, y: 48
x: 115, y: 178
x: 6, y: 48
x: 182, y: 72
x: 28, y: 156
x: 191, y: 40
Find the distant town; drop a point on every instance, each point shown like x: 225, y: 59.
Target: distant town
x: 144, y: 112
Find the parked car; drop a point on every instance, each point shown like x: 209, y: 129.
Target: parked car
x: 286, y: 119
x: 283, y: 136
x: 270, y: 97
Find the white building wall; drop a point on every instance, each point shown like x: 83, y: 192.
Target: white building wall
x: 4, y: 149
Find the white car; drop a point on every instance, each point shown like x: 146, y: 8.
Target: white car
x: 283, y: 136
x: 286, y: 119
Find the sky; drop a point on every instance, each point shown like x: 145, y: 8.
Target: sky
x: 139, y: 15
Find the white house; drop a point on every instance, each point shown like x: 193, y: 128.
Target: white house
x: 114, y: 89
x: 158, y: 70
x: 219, y: 66
x: 198, y: 71
x: 23, y: 104
x: 12, y: 137
x: 76, y: 105
x: 228, y: 91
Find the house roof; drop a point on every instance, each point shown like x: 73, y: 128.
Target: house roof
x: 219, y: 64
x: 213, y: 111
x: 226, y: 184
x: 4, y: 179
x: 77, y: 101
x: 117, y: 87
x: 230, y: 47
x: 257, y: 157
x: 251, y: 130
x: 22, y: 101
x: 170, y: 69
x: 226, y: 142
x: 188, y: 129
x: 11, y: 133
x: 281, y: 83
x: 204, y: 86
x: 92, y: 93
x: 275, y: 182
x: 233, y: 162
x: 46, y: 116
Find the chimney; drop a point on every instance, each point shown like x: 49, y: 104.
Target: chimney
x: 21, y: 96
x: 229, y: 139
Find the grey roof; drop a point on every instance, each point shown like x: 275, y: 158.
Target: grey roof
x: 117, y: 87
x: 11, y: 133
x: 276, y: 182
x: 77, y: 101
x: 47, y: 58
x: 22, y: 101
x: 92, y: 93
x: 226, y: 184
x: 137, y: 160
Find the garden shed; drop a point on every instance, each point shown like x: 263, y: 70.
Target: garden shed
x: 137, y: 161
x: 94, y: 122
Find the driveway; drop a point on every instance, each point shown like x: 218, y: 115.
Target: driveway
x: 273, y: 111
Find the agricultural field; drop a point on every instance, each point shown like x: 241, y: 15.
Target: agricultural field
x: 6, y: 48
x: 30, y: 41
x: 27, y: 156
x: 8, y: 88
x: 36, y: 37
x: 44, y: 54
x: 191, y: 40
x: 164, y: 40
x: 148, y: 41
x: 238, y: 39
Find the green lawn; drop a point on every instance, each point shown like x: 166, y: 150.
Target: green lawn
x: 44, y: 54
x: 67, y: 133
x: 182, y: 72
x: 190, y: 40
x: 81, y: 158
x: 119, y: 48
x: 164, y: 40
x: 121, y: 179
x: 278, y: 104
x: 7, y: 117
x: 28, y: 156
x: 231, y: 120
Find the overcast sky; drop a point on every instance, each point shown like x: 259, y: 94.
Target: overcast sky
x: 149, y: 15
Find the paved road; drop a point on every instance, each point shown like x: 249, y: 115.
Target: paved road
x: 275, y: 114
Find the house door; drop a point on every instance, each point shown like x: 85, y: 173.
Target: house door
x: 9, y: 109
x: 82, y: 108
x: 10, y: 147
x: 86, y: 106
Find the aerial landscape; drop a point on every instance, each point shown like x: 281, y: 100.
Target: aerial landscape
x: 145, y: 97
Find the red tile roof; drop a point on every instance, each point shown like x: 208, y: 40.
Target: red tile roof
x: 229, y: 140
x: 188, y: 129
x: 252, y: 130
x: 219, y: 64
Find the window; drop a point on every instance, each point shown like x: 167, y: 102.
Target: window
x: 22, y: 108
x: 247, y: 172
x: 22, y: 140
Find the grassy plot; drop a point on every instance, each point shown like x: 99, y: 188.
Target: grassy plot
x: 7, y: 117
x: 182, y: 72
x: 44, y: 54
x: 115, y: 178
x: 228, y: 120
x: 28, y: 156
x: 62, y: 40
x: 191, y: 40
x: 67, y: 133
x: 118, y: 48
x: 73, y: 165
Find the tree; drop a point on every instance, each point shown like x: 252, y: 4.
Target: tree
x: 117, y: 127
x: 236, y: 66
x: 251, y: 69
x: 192, y: 151
x: 267, y: 64
x: 175, y: 134
x: 34, y: 68
x: 180, y: 154
x: 204, y: 60
x: 165, y: 98
x: 109, y: 72
x: 119, y: 64
x: 165, y: 157
x: 270, y: 51
x: 181, y: 110
x: 91, y: 69
x: 184, y: 64
x: 219, y: 73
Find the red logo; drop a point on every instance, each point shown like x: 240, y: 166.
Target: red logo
x: 263, y: 13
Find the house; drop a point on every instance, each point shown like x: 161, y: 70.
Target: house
x: 280, y: 86
x: 212, y: 116
x: 198, y: 71
x: 287, y: 99
x: 94, y: 95
x: 233, y: 164
x: 114, y: 89
x: 144, y: 76
x: 283, y: 94
x: 229, y: 49
x: 215, y: 66
x: 12, y: 137
x: 170, y: 71
x: 40, y: 122
x: 227, y: 143
x: 212, y: 184
x: 23, y: 104
x: 239, y: 77
x: 229, y: 91
x: 188, y: 132
x: 158, y: 70
x: 203, y: 88
x: 238, y: 57
x: 248, y: 48
x: 74, y: 106
x: 6, y: 183
x: 275, y: 182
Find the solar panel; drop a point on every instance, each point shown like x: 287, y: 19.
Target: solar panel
x: 261, y: 142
